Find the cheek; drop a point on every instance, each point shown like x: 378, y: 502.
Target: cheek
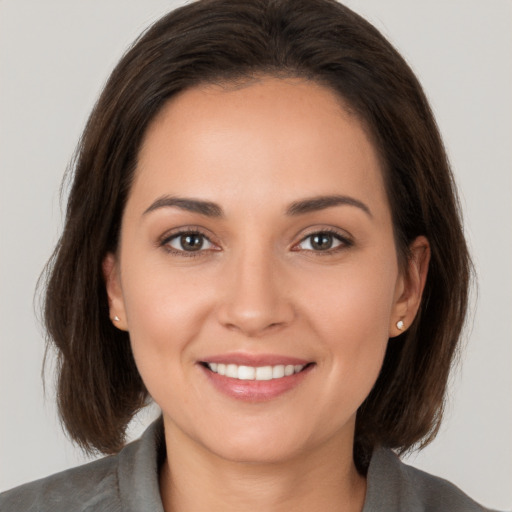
x: 353, y: 301
x: 165, y: 311
x: 350, y: 314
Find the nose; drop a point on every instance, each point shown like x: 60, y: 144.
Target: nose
x: 255, y: 299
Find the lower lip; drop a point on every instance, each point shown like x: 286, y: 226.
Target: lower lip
x: 255, y: 390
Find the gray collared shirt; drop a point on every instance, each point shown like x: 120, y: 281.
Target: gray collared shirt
x: 128, y: 482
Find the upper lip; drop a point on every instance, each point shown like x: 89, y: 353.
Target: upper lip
x: 254, y: 359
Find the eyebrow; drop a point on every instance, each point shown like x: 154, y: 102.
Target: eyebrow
x: 314, y: 204
x: 206, y: 208
x: 210, y: 209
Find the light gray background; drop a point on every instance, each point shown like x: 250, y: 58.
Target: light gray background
x: 54, y: 58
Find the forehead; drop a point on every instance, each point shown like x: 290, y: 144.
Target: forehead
x: 251, y: 139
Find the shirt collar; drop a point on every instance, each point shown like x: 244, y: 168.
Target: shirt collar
x: 138, y: 471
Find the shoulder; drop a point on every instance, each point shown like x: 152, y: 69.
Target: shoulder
x: 126, y: 482
x: 395, y: 486
x: 93, y: 486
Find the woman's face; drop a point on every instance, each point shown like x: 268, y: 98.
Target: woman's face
x: 257, y: 240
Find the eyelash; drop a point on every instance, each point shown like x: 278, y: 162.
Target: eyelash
x: 165, y: 241
x: 345, y: 242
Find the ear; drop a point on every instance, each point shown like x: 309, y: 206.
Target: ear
x: 110, y: 269
x: 410, y: 287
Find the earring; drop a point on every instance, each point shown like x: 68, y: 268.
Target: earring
x: 116, y: 319
x: 400, y: 325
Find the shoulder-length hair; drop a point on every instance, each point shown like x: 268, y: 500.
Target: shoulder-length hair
x: 99, y: 388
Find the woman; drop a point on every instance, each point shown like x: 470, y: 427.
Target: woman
x: 270, y: 248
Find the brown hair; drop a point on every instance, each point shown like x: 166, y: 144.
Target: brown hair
x: 99, y: 388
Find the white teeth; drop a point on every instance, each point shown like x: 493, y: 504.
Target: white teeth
x: 232, y: 371
x: 255, y: 373
x: 264, y: 373
x: 246, y: 372
x: 278, y: 371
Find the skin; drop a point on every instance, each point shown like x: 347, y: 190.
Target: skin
x: 259, y: 286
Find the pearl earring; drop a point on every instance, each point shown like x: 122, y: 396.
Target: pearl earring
x: 400, y: 325
x: 116, y: 319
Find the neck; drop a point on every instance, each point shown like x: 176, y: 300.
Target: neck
x: 326, y: 479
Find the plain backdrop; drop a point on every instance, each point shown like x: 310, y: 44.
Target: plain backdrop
x: 55, y: 55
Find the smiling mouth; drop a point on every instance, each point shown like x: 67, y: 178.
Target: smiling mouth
x: 255, y: 373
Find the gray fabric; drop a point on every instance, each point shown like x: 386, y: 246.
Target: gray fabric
x: 128, y: 482
x: 395, y: 486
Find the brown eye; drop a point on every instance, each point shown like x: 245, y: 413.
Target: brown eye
x: 323, y: 241
x: 189, y: 242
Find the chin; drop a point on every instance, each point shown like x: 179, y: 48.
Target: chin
x: 258, y: 451
x: 270, y: 442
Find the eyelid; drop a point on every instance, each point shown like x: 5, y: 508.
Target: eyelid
x: 344, y: 239
x: 168, y: 236
x: 340, y: 235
